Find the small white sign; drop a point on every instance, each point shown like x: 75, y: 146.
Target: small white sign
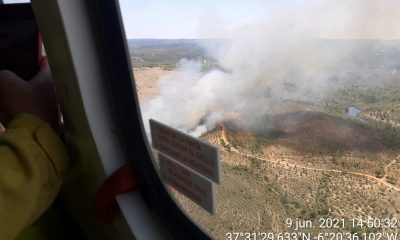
x: 198, y: 155
x: 194, y: 186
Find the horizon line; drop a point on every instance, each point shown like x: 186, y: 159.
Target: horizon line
x: 364, y: 39
x: 175, y: 38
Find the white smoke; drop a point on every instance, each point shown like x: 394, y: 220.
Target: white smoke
x: 283, y: 57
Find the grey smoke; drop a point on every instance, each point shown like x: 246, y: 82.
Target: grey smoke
x: 291, y: 55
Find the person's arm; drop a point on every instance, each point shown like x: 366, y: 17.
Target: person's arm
x: 32, y: 157
x: 33, y: 161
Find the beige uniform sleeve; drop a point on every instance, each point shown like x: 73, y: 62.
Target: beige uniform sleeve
x: 33, y: 161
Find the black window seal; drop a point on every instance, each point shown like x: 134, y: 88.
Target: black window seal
x: 114, y: 45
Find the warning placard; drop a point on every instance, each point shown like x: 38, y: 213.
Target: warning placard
x: 192, y: 152
x: 194, y: 186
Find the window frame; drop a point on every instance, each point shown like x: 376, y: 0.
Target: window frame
x: 87, y: 49
x: 114, y: 43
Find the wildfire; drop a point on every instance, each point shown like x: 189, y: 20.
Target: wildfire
x: 223, y: 133
x: 224, y: 140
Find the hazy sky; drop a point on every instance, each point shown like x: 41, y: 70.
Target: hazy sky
x: 220, y: 18
x: 186, y: 18
x: 375, y: 19
x: 16, y: 1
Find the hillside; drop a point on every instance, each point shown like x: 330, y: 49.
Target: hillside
x: 352, y: 176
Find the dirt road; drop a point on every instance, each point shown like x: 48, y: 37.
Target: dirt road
x: 370, y: 177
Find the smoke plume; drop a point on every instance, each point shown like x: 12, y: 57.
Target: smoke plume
x: 293, y: 54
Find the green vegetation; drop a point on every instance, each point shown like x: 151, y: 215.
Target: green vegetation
x: 380, y: 106
x: 167, y: 53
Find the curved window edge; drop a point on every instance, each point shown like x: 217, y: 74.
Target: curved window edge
x: 114, y: 46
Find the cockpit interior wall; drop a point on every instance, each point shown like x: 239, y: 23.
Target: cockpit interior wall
x: 86, y: 48
x: 68, y: 37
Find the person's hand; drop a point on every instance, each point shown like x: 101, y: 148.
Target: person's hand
x: 36, y: 96
x: 2, y: 129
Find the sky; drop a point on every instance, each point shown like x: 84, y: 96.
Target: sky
x: 180, y: 19
x: 16, y: 1
x: 175, y: 19
x: 220, y: 18
x: 186, y: 18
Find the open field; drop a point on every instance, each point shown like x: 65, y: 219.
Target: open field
x: 146, y: 81
x: 277, y: 181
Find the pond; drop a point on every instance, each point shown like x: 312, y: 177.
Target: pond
x: 352, y: 111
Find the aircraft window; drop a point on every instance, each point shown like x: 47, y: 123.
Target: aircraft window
x: 14, y: 1
x: 302, y: 99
